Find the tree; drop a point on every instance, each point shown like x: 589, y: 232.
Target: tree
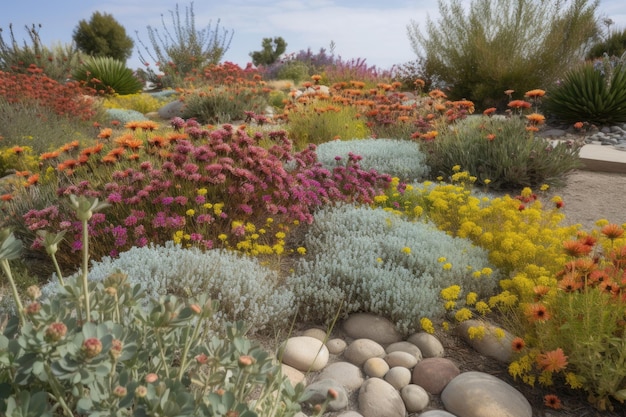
x: 185, y: 49
x: 489, y: 46
x: 103, y: 36
x: 272, y: 50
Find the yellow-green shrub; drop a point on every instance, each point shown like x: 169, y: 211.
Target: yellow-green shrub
x: 141, y: 102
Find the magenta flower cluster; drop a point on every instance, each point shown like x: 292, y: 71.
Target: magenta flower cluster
x: 153, y: 198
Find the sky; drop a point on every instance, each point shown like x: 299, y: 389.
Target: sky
x: 372, y: 29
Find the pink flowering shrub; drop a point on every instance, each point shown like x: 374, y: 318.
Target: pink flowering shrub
x: 200, y: 188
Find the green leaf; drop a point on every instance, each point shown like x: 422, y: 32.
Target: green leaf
x: 84, y: 405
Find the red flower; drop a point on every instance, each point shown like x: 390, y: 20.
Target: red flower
x: 518, y: 344
x: 519, y: 104
x: 552, y: 401
x: 612, y: 231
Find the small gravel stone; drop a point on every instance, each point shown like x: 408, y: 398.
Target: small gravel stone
x: 415, y: 398
x: 375, y: 367
x: 398, y: 377
x: 336, y: 346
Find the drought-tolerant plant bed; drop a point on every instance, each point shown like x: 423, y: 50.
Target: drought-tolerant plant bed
x: 323, y: 235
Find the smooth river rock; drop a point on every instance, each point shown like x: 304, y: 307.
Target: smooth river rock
x: 373, y: 327
x: 305, y: 353
x: 378, y: 398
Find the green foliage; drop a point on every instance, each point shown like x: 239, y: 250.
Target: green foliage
x: 489, y: 46
x: 373, y: 260
x: 164, y: 361
x: 107, y: 76
x: 223, y: 104
x: 512, y: 159
x: 56, y: 61
x: 183, y: 49
x: 103, y: 36
x: 295, y: 71
x: 272, y: 50
x: 312, y: 124
x: 593, y: 92
x: 18, y: 127
x: 614, y: 45
x: 398, y: 158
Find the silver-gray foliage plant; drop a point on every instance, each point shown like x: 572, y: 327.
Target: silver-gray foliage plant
x: 359, y: 263
x: 245, y: 289
x: 398, y: 158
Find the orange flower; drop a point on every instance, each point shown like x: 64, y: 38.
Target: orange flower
x: 69, y: 146
x: 518, y: 344
x: 157, y: 141
x: 419, y: 83
x: 491, y: 137
x: 32, y: 180
x: 552, y: 401
x: 541, y: 290
x: 576, y: 248
x: 440, y: 107
x: 612, y: 231
x: 92, y: 150
x: 535, y: 93
x: 437, y: 94
x: 49, y: 155
x: 537, y: 312
x: 17, y: 150
x: 149, y: 125
x: 570, y: 283
x: 105, y: 133
x: 67, y: 164
x: 6, y: 197
x: 532, y: 128
x: 553, y: 361
x: 509, y: 92
x: 578, y: 125
x: 132, y: 125
x: 489, y: 111
x: 519, y: 104
x: 536, y: 118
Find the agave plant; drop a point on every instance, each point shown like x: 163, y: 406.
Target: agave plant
x: 593, y: 92
x: 107, y: 76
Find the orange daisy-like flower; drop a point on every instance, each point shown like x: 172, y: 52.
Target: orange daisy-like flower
x: 536, y: 118
x: 436, y: 93
x: 32, y: 180
x: 552, y: 401
x: 419, y: 83
x: 92, y: 150
x: 6, y: 197
x: 576, y: 248
x: 132, y: 125
x: 440, y: 107
x: 553, y: 361
x: 17, y: 150
x: 537, y: 312
x: 612, y: 231
x: 518, y: 344
x: 570, y: 283
x: 67, y: 164
x: 535, y: 93
x: 532, y: 128
x: 578, y: 125
x: 149, y: 125
x: 105, y: 133
x: 490, y: 111
x: 519, y: 104
x: 490, y: 137
x: 609, y: 286
x: 69, y: 146
x: 157, y: 141
x: 509, y: 92
x: 541, y: 290
x: 49, y: 155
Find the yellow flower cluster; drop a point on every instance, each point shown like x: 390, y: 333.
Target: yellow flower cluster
x: 427, y: 325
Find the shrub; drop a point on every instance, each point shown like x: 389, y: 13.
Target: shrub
x: 245, y: 290
x: 103, y: 36
x: 107, y: 76
x: 365, y: 259
x: 166, y: 361
x: 57, y: 61
x: 501, y: 152
x: 593, y: 93
x: 487, y: 47
x: 68, y: 99
x: 223, y: 104
x: 397, y: 158
x: 180, y: 50
x: 317, y: 122
x: 18, y: 127
x: 140, y: 102
x: 295, y: 71
x: 124, y: 116
x: 614, y: 45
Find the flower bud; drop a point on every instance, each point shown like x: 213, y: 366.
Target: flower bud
x: 141, y: 391
x: 150, y: 378
x: 55, y: 332
x: 33, y: 292
x: 112, y: 291
x: 202, y: 358
x: 195, y: 308
x: 245, y: 360
x: 116, y: 348
x: 120, y: 391
x: 33, y: 308
x: 92, y: 347
x: 332, y: 393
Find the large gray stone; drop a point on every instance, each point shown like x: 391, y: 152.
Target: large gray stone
x: 318, y: 392
x: 171, y: 110
x: 304, y: 353
x: 373, y: 327
x: 433, y: 374
x: 489, y: 345
x: 346, y: 374
x: 429, y: 345
x: 377, y: 398
x: 415, y: 398
x: 361, y: 350
x: 477, y: 394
